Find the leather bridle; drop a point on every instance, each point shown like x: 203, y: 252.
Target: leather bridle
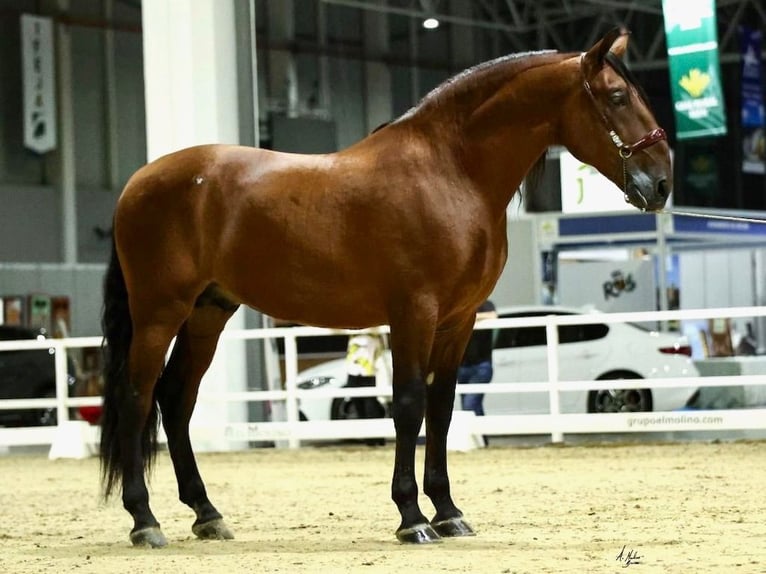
x: 625, y: 150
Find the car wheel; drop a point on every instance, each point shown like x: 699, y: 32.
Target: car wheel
x: 620, y: 400
x: 44, y: 417
x: 343, y: 409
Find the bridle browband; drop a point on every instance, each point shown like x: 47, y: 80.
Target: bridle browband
x: 625, y: 150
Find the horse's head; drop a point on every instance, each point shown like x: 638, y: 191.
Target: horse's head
x: 608, y: 124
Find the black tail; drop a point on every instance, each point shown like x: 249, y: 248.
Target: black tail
x: 118, y: 332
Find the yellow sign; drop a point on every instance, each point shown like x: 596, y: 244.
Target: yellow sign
x: 695, y: 82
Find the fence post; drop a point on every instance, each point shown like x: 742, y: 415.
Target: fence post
x: 552, y: 343
x: 62, y: 382
x: 291, y: 379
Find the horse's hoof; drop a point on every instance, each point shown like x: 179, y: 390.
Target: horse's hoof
x: 215, y: 529
x: 151, y: 536
x: 452, y: 527
x: 418, y: 534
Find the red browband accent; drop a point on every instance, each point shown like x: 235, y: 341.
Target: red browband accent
x: 651, y: 138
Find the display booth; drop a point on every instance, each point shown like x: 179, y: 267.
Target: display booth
x: 695, y: 259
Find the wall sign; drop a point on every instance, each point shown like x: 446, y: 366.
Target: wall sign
x: 585, y: 190
x: 39, y: 83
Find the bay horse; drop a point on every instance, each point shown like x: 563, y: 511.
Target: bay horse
x: 405, y: 228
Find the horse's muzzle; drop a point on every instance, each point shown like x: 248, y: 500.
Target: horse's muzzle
x: 648, y: 194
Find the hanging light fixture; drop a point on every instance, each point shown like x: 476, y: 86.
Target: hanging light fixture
x: 429, y: 7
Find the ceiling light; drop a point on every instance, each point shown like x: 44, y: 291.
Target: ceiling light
x: 430, y: 23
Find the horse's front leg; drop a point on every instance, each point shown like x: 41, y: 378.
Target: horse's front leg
x: 408, y: 405
x: 410, y: 349
x: 440, y: 399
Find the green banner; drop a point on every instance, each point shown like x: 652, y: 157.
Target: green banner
x: 695, y: 73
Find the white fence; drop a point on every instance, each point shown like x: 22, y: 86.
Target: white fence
x: 292, y: 431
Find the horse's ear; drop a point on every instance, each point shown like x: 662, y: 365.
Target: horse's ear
x: 620, y: 44
x: 615, y: 41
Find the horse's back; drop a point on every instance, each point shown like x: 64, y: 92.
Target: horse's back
x: 334, y: 240
x: 188, y: 169
x: 251, y: 221
x: 197, y: 185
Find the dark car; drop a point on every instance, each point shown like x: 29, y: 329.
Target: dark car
x: 29, y: 374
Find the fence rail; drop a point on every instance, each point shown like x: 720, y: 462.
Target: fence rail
x: 292, y: 431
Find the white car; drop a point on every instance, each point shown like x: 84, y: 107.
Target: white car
x: 586, y: 352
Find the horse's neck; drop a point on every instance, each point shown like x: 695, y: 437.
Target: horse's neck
x: 509, y: 130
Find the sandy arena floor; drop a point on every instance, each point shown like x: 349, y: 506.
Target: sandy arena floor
x: 696, y: 507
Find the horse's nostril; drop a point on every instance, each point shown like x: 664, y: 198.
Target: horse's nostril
x: 662, y: 188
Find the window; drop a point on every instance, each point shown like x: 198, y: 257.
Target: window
x: 531, y: 336
x: 580, y: 333
x: 520, y: 336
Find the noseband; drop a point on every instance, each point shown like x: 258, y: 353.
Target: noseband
x: 625, y: 150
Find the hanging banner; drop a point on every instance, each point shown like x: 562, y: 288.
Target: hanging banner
x: 695, y: 73
x: 39, y: 83
x: 753, y: 117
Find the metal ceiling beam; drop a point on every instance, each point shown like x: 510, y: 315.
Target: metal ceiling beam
x: 594, y: 31
x: 634, y: 5
x: 553, y: 16
x: 761, y: 11
x: 512, y: 38
x: 513, y: 12
x: 656, y: 43
x: 415, y: 13
x: 732, y: 26
x: 526, y: 23
x: 554, y: 35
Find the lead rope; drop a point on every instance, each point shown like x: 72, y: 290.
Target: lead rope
x: 710, y: 216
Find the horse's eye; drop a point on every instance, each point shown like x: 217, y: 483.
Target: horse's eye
x: 618, y: 98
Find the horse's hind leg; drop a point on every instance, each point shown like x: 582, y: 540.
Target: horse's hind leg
x: 440, y: 397
x: 137, y: 422
x: 177, y: 394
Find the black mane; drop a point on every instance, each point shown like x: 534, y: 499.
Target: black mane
x: 504, y: 68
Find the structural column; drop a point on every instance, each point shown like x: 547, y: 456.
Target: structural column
x: 283, y: 76
x: 190, y: 76
x: 377, y: 76
x: 66, y: 140
x: 461, y: 37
